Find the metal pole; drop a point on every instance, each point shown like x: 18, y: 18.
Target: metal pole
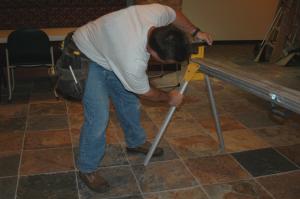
x: 214, y: 112
x: 163, y: 128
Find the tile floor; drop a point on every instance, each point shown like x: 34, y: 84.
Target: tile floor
x: 39, y: 143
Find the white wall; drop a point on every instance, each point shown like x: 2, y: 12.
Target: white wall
x: 232, y: 19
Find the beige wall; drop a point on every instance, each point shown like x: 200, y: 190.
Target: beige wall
x: 172, y: 3
x: 232, y: 19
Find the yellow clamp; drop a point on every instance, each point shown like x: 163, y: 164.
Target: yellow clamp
x: 62, y: 45
x: 192, y: 72
x: 76, y: 52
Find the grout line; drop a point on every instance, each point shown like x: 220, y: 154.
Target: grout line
x: 252, y: 177
x: 49, y: 148
x: 174, y: 190
x: 3, y: 177
x: 232, y: 157
x: 49, y: 173
x: 284, y: 156
x: 73, y: 154
x: 49, y: 130
x: 278, y: 174
x: 22, y: 149
x: 132, y: 172
x: 189, y: 171
x: 263, y: 188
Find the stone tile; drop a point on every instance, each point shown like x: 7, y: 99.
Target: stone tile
x: 158, y: 114
x: 183, y: 127
x: 116, y: 132
x: 42, y: 85
x: 280, y: 135
x: 283, y: 186
x: 45, y: 161
x: 12, y: 124
x: 225, y: 96
x: 9, y: 163
x: 113, y: 116
x: 292, y: 152
x: 47, y: 139
x: 194, y: 146
x: 169, y: 154
x: 8, y: 187
x: 75, y: 136
x: 143, y: 116
x: 62, y: 185
x: 55, y: 108
x: 11, y: 141
x: 228, y: 123
x: 263, y: 162
x: 193, y: 193
x: 121, y: 180
x: 13, y: 110
x: 216, y: 169
x: 74, y: 107
x: 293, y: 120
x: 201, y: 112
x: 241, y: 140
x: 17, y: 98
x: 131, y: 197
x: 22, y: 87
x: 47, y: 122
x: 114, y: 155
x: 112, y: 137
x: 43, y: 97
x: 255, y: 119
x: 149, y: 127
x: 76, y: 120
x: 241, y: 189
x: 192, y: 100
x: 162, y: 176
x: 239, y: 106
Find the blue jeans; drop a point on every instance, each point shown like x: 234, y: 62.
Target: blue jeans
x: 101, y: 85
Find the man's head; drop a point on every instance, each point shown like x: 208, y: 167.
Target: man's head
x: 169, y: 44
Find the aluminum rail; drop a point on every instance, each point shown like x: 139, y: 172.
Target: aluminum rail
x: 271, y: 91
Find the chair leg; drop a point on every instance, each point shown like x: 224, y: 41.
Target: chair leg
x: 13, y: 79
x: 9, y: 83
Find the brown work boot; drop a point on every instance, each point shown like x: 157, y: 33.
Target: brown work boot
x: 145, y: 148
x: 94, y: 181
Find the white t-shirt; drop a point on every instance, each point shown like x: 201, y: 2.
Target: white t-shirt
x: 117, y: 41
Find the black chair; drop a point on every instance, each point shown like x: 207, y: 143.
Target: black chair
x: 27, y: 48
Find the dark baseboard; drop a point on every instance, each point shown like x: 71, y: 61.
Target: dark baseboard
x: 236, y: 42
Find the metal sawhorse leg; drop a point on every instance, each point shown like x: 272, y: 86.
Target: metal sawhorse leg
x: 192, y: 73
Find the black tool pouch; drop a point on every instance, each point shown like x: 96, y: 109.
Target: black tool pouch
x: 71, y: 70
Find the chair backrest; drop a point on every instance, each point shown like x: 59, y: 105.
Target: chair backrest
x: 28, y: 47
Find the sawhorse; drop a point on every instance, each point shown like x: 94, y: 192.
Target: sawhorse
x: 192, y: 73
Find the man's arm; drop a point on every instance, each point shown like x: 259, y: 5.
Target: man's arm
x: 173, y: 98
x: 183, y: 23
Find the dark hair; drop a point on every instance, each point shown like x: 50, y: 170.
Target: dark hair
x: 170, y: 43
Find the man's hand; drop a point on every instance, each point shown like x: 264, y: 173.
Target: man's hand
x: 175, y: 98
x: 204, y: 36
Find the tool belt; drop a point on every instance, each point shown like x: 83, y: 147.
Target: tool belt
x: 71, y: 70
